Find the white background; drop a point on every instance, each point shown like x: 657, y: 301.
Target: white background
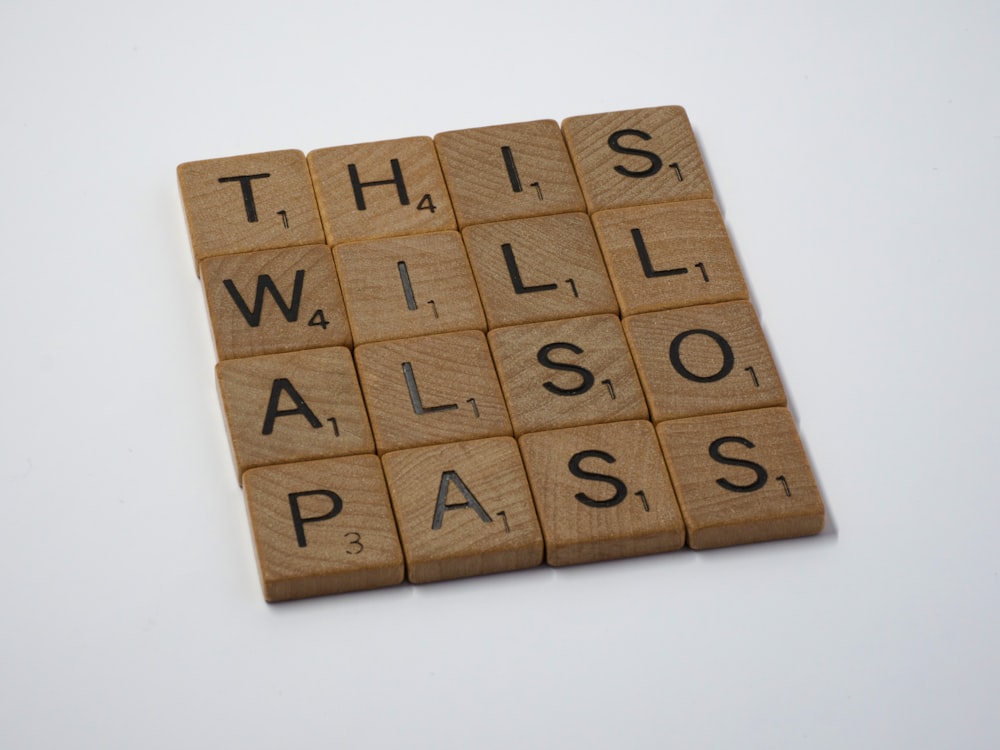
x: 855, y: 151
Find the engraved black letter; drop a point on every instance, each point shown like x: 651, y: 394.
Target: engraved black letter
x: 760, y: 471
x: 300, y: 522
x: 586, y: 376
x: 515, y: 274
x: 248, y: 202
x: 442, y: 504
x: 727, y: 356
x: 266, y: 284
x: 647, y: 264
x: 621, y: 491
x: 301, y: 407
x: 397, y: 180
x: 655, y: 162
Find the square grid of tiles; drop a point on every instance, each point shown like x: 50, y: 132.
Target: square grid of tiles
x: 495, y: 348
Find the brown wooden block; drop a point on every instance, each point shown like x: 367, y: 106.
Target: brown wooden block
x: 563, y: 373
x: 253, y: 202
x: 669, y: 255
x: 602, y: 492
x: 273, y: 301
x: 508, y: 172
x: 431, y: 389
x: 543, y: 268
x: 741, y: 477
x: 290, y: 407
x: 636, y: 157
x: 408, y: 286
x: 380, y: 189
x: 464, y: 509
x: 322, y: 527
x: 703, y: 360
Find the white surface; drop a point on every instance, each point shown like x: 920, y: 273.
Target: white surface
x: 855, y: 152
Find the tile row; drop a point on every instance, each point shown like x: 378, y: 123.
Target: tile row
x: 459, y: 178
x: 464, y: 385
x: 568, y: 496
x: 622, y: 261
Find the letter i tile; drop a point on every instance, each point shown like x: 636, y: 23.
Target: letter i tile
x: 322, y: 527
x: 741, y: 477
x: 508, y: 172
x: 408, y: 286
x: 464, y: 509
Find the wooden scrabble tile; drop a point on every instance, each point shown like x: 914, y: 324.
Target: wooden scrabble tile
x: 273, y: 301
x: 636, y: 157
x: 253, y: 202
x: 431, y: 389
x: 464, y: 509
x: 408, y: 286
x: 543, y: 268
x: 669, y: 255
x: 508, y: 172
x: 741, y: 477
x: 322, y: 527
x: 602, y: 492
x: 380, y: 189
x: 290, y: 407
x: 702, y: 360
x: 563, y: 373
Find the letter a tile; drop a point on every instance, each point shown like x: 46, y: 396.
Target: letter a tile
x: 602, y: 492
x: 253, y: 202
x: 293, y: 407
x: 741, y: 477
x: 322, y: 527
x: 464, y: 509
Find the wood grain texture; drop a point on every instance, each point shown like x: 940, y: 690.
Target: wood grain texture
x: 290, y: 407
x: 508, y: 172
x: 567, y: 372
x: 602, y: 492
x: 380, y: 189
x: 464, y: 509
x: 408, y: 286
x: 431, y: 389
x: 253, y: 202
x: 636, y: 157
x: 669, y: 255
x: 703, y: 360
x: 543, y: 268
x: 742, y: 477
x: 273, y: 301
x: 322, y: 527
